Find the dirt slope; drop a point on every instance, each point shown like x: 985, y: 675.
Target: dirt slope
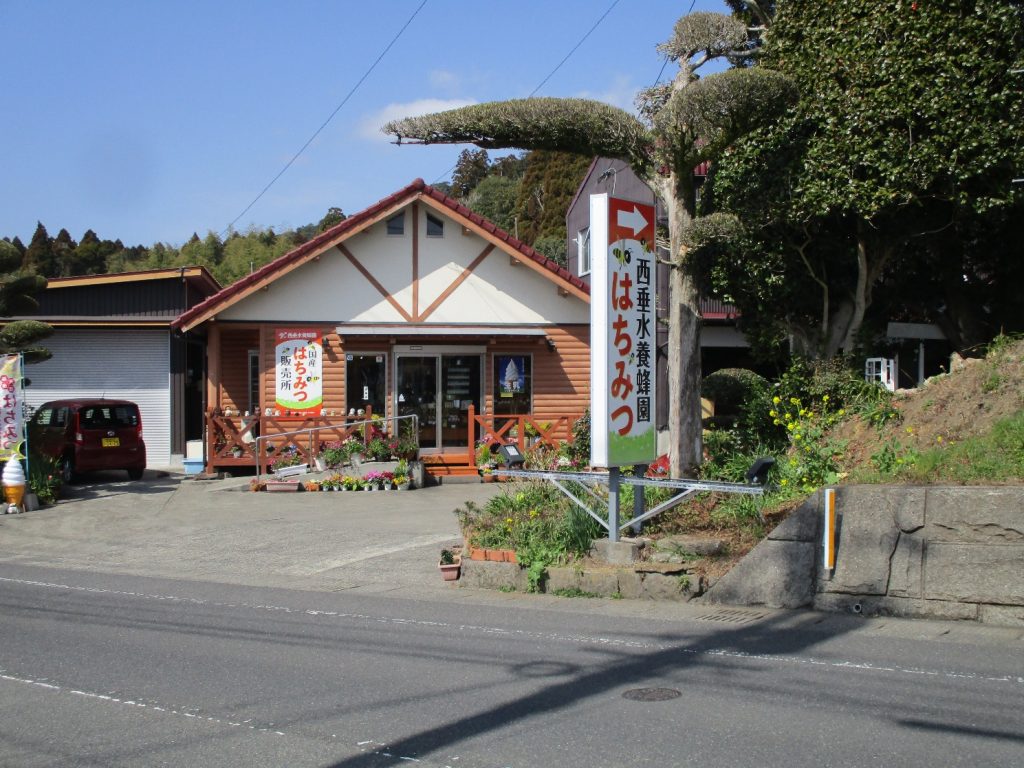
x: 963, y: 403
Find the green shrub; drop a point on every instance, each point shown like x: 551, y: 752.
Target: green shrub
x: 44, y: 477
x: 730, y: 389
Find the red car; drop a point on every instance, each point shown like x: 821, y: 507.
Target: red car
x: 89, y: 435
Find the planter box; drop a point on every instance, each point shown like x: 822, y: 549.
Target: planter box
x: 492, y: 555
x: 450, y: 572
x: 282, y: 486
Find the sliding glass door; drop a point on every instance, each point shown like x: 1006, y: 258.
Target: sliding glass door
x: 439, y: 385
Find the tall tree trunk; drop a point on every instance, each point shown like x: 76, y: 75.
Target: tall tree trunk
x: 684, y: 373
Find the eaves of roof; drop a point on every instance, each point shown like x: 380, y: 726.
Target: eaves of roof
x: 336, y: 234
x: 199, y: 275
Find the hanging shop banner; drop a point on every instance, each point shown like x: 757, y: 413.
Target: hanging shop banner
x: 299, y: 372
x: 512, y: 371
x: 12, y: 436
x: 622, y: 332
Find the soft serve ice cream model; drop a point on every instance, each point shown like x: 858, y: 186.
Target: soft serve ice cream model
x: 14, y: 484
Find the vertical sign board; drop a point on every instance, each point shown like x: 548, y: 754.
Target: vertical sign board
x: 622, y: 332
x: 11, y: 422
x: 299, y: 358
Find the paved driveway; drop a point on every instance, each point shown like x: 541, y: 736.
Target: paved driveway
x: 219, y: 531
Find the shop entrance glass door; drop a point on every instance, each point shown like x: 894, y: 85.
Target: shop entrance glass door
x: 439, y: 389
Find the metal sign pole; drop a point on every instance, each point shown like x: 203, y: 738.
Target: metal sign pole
x: 613, y: 503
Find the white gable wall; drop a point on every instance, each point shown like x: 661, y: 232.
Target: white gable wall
x: 333, y: 290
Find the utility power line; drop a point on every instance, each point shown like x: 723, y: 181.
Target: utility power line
x: 330, y: 117
x: 552, y: 72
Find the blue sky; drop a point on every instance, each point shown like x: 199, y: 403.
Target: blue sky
x: 149, y: 120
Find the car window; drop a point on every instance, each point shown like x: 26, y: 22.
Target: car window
x: 43, y: 417
x: 106, y: 416
x: 60, y: 417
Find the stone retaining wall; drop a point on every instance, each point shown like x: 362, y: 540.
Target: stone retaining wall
x: 928, y: 552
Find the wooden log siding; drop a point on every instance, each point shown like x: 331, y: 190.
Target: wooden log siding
x: 234, y: 370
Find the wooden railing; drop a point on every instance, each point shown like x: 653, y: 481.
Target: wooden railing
x: 522, y: 430
x: 232, y: 438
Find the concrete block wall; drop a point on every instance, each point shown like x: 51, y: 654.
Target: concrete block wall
x: 930, y: 552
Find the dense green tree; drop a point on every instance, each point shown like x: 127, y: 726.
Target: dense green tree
x: 246, y: 253
x: 17, y: 298
x: 545, y: 192
x: 10, y: 259
x: 683, y: 123
x: 207, y: 252
x: 62, y: 249
x: 332, y: 217
x: 471, y: 168
x: 907, y: 134
x: 39, y: 254
x: 494, y: 198
x: 552, y: 246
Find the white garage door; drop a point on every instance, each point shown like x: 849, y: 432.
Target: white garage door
x: 127, y: 365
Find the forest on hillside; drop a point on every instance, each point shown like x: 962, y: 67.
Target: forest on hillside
x: 526, y: 194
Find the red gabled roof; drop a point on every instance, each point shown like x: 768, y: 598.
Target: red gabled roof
x: 337, y: 233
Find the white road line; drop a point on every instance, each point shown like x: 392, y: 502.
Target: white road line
x: 152, y: 706
x: 860, y: 666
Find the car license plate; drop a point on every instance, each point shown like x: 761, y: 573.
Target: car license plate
x: 111, y: 442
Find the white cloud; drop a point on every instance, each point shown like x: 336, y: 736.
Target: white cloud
x: 369, y: 126
x: 443, y: 79
x: 620, y: 93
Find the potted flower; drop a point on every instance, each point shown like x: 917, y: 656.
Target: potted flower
x: 402, y: 482
x: 378, y: 449
x: 406, y: 445
x: 311, y: 485
x: 333, y: 454
x: 450, y: 565
x: 353, y: 450
x: 485, y: 460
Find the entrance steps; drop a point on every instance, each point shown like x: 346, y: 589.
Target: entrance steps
x: 449, y: 466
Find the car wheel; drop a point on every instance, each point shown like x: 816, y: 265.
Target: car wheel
x: 67, y: 470
x: 135, y: 473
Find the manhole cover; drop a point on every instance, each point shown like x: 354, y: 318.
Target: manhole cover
x: 651, y: 694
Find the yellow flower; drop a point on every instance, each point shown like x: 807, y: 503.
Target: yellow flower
x: 938, y: 439
x: 796, y: 436
x: 841, y: 412
x: 910, y: 430
x: 824, y: 399
x: 783, y: 481
x: 776, y: 422
x: 794, y: 401
x: 776, y: 400
x: 508, y: 521
x: 791, y: 426
x: 802, y: 412
x: 772, y: 412
x: 534, y: 513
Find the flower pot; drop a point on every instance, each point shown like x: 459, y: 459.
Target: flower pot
x: 450, y: 572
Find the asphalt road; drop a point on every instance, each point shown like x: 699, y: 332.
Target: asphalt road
x: 102, y: 666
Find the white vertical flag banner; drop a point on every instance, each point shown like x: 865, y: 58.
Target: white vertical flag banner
x: 12, y: 437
